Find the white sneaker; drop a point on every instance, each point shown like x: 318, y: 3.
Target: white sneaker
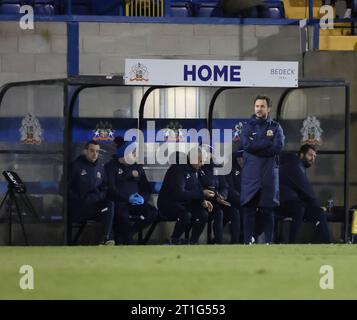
x: 108, y: 243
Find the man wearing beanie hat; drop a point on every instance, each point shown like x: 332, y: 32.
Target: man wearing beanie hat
x: 129, y: 189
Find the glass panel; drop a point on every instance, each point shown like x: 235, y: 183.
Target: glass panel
x: 326, y: 125
x: 327, y: 178
x: 102, y: 113
x: 31, y: 144
x: 174, y: 108
x: 176, y: 103
x: 239, y: 103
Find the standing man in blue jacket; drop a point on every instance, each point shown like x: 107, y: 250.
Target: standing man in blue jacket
x: 262, y: 141
x: 183, y: 199
x: 297, y: 197
x: 88, y: 191
x: 130, y: 190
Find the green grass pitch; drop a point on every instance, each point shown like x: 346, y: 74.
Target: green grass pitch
x: 180, y: 272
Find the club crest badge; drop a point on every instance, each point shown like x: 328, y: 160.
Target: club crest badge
x: 270, y: 133
x: 99, y: 175
x: 174, y: 132
x: 103, y: 132
x: 83, y: 172
x: 120, y: 171
x: 188, y: 176
x: 139, y: 72
x: 311, y: 131
x: 31, y: 131
x: 237, y: 131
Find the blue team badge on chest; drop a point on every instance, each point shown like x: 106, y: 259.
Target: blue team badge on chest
x: 270, y: 133
x: 99, y: 175
x: 237, y: 173
x: 120, y: 171
x: 188, y: 176
x: 84, y: 172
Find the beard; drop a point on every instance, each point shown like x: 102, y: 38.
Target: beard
x: 307, y: 163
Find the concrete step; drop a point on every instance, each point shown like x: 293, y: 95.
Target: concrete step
x: 340, y: 29
x: 339, y: 43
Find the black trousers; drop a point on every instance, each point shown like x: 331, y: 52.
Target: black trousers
x: 257, y: 219
x: 130, y: 219
x: 299, y: 211
x: 101, y: 211
x: 231, y: 215
x: 192, y: 216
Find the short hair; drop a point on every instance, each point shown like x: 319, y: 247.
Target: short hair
x: 263, y: 97
x: 86, y: 146
x: 304, y: 149
x: 195, y: 153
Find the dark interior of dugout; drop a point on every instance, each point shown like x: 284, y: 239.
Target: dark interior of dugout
x: 216, y: 117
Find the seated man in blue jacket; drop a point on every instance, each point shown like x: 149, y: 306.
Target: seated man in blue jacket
x: 218, y: 184
x: 297, y: 196
x: 88, y: 191
x: 130, y: 190
x: 182, y: 198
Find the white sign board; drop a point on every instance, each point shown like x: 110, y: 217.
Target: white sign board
x: 165, y: 72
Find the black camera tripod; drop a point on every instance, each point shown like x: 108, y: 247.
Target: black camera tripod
x: 13, y: 200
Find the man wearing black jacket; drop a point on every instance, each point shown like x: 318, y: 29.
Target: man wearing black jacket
x: 297, y: 197
x: 88, y: 191
x: 130, y: 190
x: 182, y: 198
x: 218, y: 184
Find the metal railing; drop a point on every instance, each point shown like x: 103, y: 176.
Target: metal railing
x: 145, y: 8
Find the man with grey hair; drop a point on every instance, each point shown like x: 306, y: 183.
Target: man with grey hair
x: 182, y: 198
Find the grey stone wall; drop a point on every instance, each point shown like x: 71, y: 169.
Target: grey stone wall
x: 32, y: 54
x: 104, y: 47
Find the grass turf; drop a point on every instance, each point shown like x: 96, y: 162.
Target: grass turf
x: 180, y: 272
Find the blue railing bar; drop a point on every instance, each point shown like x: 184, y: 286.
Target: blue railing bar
x: 69, y: 7
x: 173, y: 20
x: 316, y: 36
x: 311, y: 13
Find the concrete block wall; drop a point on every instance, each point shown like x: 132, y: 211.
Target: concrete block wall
x: 104, y: 46
x: 32, y: 54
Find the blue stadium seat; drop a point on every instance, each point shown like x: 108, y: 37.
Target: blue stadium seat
x: 208, y: 9
x: 10, y: 6
x: 181, y: 9
x: 272, y: 9
x: 45, y: 7
x: 252, y: 12
x: 108, y: 8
